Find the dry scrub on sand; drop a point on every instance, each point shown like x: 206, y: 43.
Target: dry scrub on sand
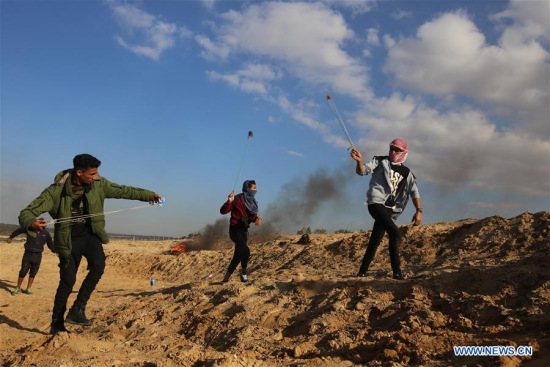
x: 473, y: 282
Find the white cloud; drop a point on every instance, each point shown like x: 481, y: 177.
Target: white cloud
x: 296, y: 154
x: 394, y: 107
x: 400, y: 14
x: 231, y: 79
x: 185, y: 33
x: 456, y: 148
x: 209, y: 4
x: 210, y: 49
x: 253, y: 78
x: 389, y: 42
x: 260, y: 72
x: 372, y: 37
x: 449, y: 55
x: 253, y: 86
x: 357, y: 7
x: 307, y: 40
x: 152, y: 35
x: 131, y: 17
x: 531, y: 19
x: 210, y: 24
x: 243, y: 84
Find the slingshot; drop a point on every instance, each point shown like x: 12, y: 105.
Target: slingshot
x: 339, y: 118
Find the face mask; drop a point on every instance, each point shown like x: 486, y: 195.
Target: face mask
x: 397, y: 157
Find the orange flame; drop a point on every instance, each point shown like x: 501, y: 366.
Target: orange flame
x: 176, y: 250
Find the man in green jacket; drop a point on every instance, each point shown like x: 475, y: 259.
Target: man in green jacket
x: 76, y: 197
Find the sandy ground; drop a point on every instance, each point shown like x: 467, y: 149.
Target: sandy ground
x: 473, y: 282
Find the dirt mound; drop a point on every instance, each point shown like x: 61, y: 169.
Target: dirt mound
x: 473, y: 282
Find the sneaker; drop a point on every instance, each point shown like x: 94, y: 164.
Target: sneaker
x: 27, y: 291
x: 398, y: 275
x: 77, y: 316
x: 244, y: 278
x: 57, y: 327
x: 361, y: 275
x: 16, y: 291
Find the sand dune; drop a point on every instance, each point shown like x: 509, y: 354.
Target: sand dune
x: 472, y: 282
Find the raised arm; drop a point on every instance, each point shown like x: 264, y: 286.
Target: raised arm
x: 357, y: 157
x: 228, y: 205
x: 363, y: 169
x: 115, y: 191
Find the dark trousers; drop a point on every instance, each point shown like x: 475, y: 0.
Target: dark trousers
x: 31, y: 260
x: 89, y: 246
x: 382, y: 224
x: 242, y: 252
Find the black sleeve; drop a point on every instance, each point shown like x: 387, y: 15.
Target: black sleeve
x: 50, y: 243
x: 16, y: 233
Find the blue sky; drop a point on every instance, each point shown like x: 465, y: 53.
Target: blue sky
x: 165, y: 92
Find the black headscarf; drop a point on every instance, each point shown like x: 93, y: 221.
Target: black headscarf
x: 249, y: 200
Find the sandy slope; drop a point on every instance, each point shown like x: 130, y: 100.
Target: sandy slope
x: 472, y: 282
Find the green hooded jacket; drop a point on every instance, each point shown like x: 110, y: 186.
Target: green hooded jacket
x: 57, y: 199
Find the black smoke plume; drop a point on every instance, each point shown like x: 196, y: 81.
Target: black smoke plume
x: 301, y: 198
x: 214, y: 235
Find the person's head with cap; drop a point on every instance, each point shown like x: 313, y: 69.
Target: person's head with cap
x: 398, y: 151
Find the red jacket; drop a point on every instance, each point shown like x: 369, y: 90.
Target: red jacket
x: 238, y: 212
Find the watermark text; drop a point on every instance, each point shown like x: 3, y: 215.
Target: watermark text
x: 493, y: 351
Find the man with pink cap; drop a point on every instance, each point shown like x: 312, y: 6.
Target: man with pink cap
x: 390, y: 187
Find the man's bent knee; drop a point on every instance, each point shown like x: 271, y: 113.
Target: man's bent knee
x: 96, y: 272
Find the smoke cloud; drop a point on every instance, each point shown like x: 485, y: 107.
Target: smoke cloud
x: 300, y: 199
x: 213, y: 234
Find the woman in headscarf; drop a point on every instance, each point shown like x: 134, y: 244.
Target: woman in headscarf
x: 390, y: 187
x: 244, y: 210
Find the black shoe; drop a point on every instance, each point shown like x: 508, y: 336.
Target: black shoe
x: 226, y: 277
x: 398, y: 275
x: 361, y: 275
x: 57, y: 327
x: 76, y: 316
x: 244, y: 278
